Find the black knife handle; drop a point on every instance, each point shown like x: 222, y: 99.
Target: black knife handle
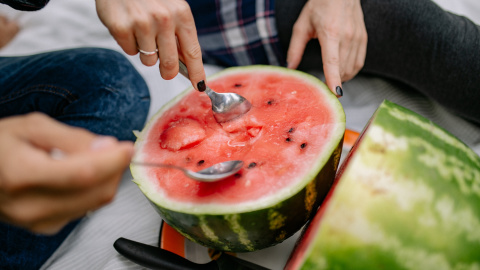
x: 157, y: 258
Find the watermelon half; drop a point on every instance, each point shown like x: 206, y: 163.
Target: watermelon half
x: 290, y: 142
x: 406, y: 197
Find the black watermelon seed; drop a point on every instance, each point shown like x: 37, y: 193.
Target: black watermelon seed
x: 238, y: 85
x: 237, y: 175
x: 200, y: 162
x: 303, y: 145
x: 270, y: 102
x: 291, y: 130
x: 288, y: 140
x: 252, y: 165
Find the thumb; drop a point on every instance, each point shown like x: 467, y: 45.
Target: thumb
x: 46, y: 133
x: 105, y: 157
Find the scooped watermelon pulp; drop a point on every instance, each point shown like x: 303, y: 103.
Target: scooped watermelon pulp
x: 290, y: 142
x: 406, y: 197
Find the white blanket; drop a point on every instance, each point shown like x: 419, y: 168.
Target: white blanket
x: 73, y: 23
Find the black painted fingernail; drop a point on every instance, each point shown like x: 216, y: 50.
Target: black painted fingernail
x: 201, y: 86
x: 339, y: 91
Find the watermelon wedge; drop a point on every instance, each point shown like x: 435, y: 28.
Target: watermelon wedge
x: 290, y: 142
x: 406, y: 197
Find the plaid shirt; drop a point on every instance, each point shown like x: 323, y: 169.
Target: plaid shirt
x: 231, y: 32
x: 237, y: 32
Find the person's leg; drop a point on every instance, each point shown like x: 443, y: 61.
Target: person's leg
x: 412, y: 41
x: 24, y: 250
x: 96, y: 89
x: 93, y: 88
x: 434, y: 51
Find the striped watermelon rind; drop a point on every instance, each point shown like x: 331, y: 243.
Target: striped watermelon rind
x: 254, y: 224
x: 408, y: 197
x: 256, y: 229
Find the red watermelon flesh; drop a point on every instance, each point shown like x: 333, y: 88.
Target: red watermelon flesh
x: 285, y: 114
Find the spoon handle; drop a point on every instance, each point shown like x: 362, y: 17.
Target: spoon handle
x: 183, y: 69
x: 163, y: 165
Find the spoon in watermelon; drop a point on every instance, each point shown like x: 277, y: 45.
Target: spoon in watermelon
x: 225, y: 106
x: 213, y: 173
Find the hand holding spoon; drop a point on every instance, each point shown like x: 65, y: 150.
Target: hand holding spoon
x: 213, y: 173
x: 225, y: 106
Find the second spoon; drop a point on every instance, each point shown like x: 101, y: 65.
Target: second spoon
x: 213, y: 173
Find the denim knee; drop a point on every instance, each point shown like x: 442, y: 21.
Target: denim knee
x: 94, y: 88
x: 119, y: 101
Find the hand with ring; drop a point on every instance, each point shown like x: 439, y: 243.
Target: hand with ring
x: 159, y: 29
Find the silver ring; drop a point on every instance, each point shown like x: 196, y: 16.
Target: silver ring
x: 147, y: 53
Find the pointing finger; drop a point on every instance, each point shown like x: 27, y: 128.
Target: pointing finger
x: 331, y: 65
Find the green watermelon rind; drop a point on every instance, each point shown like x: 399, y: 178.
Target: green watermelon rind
x: 149, y: 189
x: 258, y: 229
x: 409, y: 199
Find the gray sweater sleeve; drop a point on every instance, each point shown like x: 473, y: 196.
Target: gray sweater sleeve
x: 414, y: 42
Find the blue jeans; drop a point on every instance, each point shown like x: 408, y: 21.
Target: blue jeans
x: 97, y: 89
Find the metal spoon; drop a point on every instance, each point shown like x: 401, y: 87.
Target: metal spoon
x: 213, y: 173
x: 225, y: 106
